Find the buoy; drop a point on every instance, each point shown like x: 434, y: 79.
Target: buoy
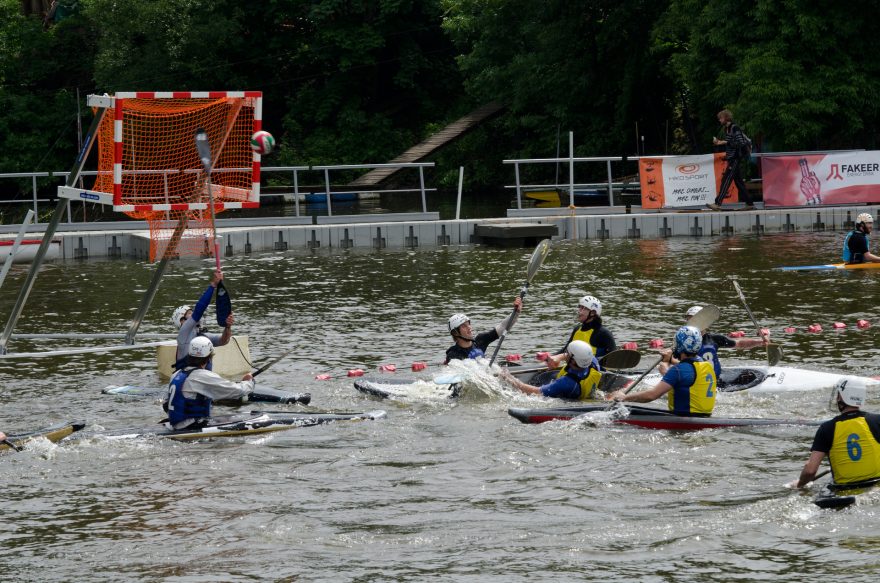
x: 542, y: 356
x: 513, y: 357
x: 323, y: 377
x: 765, y: 331
x: 863, y: 324
x: 839, y: 325
x: 356, y: 372
x: 388, y: 367
x: 656, y: 343
x: 814, y: 328
x: 417, y: 366
x: 630, y: 346
x: 737, y: 334
x: 789, y: 330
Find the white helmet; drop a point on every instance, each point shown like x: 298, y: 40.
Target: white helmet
x: 692, y: 311
x: 178, y: 314
x: 201, y: 346
x: 864, y: 218
x: 581, y: 352
x: 852, y: 391
x: 457, y: 320
x: 591, y: 303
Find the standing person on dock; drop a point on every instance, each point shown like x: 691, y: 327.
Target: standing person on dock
x: 193, y: 389
x: 735, y: 153
x: 856, y: 246
x: 188, y: 323
x: 851, y: 440
x: 589, y: 329
x: 690, y: 385
x: 469, y: 346
x: 579, y: 383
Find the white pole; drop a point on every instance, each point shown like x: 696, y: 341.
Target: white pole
x: 460, y: 183
x: 8, y: 263
x: 571, y: 168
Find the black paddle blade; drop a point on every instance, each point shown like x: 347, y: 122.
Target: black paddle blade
x: 620, y: 359
x: 834, y: 502
x: 223, y: 303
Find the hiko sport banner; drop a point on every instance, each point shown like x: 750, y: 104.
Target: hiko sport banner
x: 681, y: 181
x: 819, y: 179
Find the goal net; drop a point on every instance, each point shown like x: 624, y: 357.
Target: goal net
x: 149, y: 167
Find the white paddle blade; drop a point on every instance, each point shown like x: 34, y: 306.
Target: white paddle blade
x: 203, y: 145
x: 538, y: 257
x: 705, y: 317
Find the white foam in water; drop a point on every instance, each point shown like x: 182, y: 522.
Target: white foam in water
x: 605, y: 417
x: 478, y: 380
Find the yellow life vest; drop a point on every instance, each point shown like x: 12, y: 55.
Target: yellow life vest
x: 584, y: 335
x: 590, y: 385
x: 700, y: 396
x: 855, y: 454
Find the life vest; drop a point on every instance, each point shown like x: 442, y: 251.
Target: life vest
x: 848, y: 256
x: 475, y: 352
x: 709, y: 353
x: 588, y: 379
x: 855, y: 454
x: 699, y: 397
x: 180, y: 407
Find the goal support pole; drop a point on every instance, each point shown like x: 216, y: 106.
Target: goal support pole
x: 72, y: 178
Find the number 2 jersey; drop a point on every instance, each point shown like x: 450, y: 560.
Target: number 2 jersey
x: 851, y: 442
x: 694, y: 386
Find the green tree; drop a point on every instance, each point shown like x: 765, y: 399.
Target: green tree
x: 798, y: 73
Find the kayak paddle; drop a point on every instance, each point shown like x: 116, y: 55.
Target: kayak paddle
x: 701, y: 320
x: 620, y: 359
x: 272, y: 361
x: 774, y: 352
x: 538, y: 256
x: 11, y: 445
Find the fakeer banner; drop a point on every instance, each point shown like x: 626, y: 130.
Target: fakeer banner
x: 682, y: 181
x: 816, y: 179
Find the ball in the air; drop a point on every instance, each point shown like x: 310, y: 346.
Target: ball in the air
x: 262, y: 142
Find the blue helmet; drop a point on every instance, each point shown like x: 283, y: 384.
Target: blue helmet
x: 688, y: 339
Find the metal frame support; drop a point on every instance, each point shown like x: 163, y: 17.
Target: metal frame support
x: 51, y: 227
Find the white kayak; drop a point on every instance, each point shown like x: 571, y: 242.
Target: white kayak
x: 769, y: 379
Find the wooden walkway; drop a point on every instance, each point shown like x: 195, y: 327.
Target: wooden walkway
x: 421, y: 151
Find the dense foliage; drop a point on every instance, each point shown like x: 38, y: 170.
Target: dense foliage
x: 349, y: 82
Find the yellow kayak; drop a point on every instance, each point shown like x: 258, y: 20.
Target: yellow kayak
x: 54, y: 433
x: 831, y: 266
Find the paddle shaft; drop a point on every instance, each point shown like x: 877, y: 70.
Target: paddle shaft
x: 271, y: 362
x: 745, y: 304
x: 535, y: 262
x: 11, y: 445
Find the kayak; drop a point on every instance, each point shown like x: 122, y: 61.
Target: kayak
x: 254, y: 423
x: 648, y: 417
x: 53, y: 433
x: 842, y: 495
x: 756, y: 379
x: 438, y: 388
x: 831, y: 267
x: 260, y: 394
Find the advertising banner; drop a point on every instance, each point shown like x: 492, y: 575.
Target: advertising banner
x: 681, y: 181
x: 819, y: 179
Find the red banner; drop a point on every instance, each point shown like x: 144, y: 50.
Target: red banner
x: 681, y: 181
x: 821, y: 179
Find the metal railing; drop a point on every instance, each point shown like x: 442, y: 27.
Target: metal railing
x: 519, y: 186
x: 294, y: 171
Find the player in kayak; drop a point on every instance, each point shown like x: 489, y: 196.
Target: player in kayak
x: 188, y: 323
x: 690, y: 385
x: 579, y: 383
x: 857, y: 245
x: 469, y: 346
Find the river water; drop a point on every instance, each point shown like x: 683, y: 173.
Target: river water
x: 449, y: 491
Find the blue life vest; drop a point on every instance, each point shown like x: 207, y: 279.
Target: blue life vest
x: 709, y: 353
x: 475, y: 352
x: 847, y: 254
x: 181, y: 408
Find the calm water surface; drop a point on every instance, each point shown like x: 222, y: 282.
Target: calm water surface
x: 443, y: 491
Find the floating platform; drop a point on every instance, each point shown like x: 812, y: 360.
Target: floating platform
x: 513, y: 234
